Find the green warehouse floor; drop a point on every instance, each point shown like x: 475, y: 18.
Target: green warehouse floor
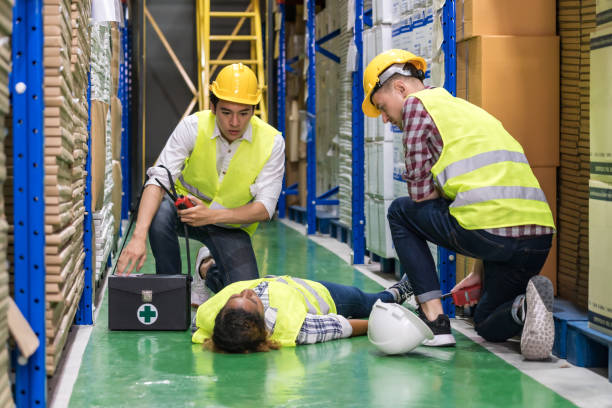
x: 163, y: 369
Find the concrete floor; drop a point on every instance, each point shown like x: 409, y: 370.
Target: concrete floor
x: 134, y: 369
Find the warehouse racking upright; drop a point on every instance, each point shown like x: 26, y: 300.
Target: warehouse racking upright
x: 446, y: 259
x: 26, y: 87
x: 27, y: 82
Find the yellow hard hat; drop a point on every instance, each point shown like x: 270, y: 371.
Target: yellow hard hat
x: 237, y: 83
x: 371, y: 80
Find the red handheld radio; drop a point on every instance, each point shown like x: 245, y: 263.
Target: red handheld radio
x: 465, y: 295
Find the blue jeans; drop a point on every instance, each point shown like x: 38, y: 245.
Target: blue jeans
x: 352, y: 302
x: 509, y: 263
x: 231, y: 248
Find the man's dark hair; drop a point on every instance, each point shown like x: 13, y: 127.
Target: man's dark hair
x: 239, y: 331
x: 214, y: 100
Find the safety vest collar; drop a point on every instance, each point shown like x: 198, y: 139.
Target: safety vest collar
x: 478, y: 161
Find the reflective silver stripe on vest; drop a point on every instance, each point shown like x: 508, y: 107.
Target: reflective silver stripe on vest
x: 322, y: 303
x: 193, y: 190
x: 311, y: 308
x: 464, y: 166
x: 482, y: 194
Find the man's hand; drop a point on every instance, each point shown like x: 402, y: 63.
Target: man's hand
x: 134, y: 255
x: 199, y: 215
x: 472, y: 279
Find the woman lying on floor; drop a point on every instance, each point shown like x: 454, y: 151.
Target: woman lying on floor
x: 264, y: 314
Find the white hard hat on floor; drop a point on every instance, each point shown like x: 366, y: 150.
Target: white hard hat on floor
x: 393, y: 329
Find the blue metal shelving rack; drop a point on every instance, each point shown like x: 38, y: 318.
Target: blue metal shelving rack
x: 281, y: 83
x: 84, y: 313
x: 311, y: 111
x: 28, y: 191
x: 446, y: 258
x: 357, y: 179
x: 125, y: 95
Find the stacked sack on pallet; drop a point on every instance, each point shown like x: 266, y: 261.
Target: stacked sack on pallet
x: 6, y: 399
x: 106, y: 136
x: 600, y: 184
x: 65, y: 116
x: 415, y: 27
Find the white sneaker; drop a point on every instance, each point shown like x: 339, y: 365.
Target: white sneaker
x: 539, y: 328
x: 199, y: 291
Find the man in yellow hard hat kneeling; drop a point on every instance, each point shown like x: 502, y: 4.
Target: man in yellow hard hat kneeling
x: 471, y: 190
x: 230, y: 164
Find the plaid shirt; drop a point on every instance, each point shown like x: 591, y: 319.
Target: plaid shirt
x: 315, y: 329
x: 422, y: 148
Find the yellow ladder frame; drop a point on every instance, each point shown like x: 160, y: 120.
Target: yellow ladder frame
x: 208, y: 66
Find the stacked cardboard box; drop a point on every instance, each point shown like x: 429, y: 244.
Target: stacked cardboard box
x: 600, y: 191
x: 511, y: 69
x: 65, y: 86
x: 576, y: 21
x: 295, y: 147
x: 327, y: 124
x: 6, y: 399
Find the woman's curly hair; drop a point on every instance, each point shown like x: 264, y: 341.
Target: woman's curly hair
x: 239, y: 331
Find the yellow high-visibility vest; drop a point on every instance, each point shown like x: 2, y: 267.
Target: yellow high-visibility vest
x: 200, y: 178
x: 482, y: 168
x: 292, y: 297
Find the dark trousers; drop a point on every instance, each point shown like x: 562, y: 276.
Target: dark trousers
x: 352, y: 302
x: 231, y: 248
x: 509, y: 263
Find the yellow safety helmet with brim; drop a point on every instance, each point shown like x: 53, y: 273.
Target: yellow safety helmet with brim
x: 237, y: 83
x: 387, y: 63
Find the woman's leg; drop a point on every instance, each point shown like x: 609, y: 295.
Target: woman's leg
x: 352, y: 302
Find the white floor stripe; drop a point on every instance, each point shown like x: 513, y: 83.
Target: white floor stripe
x: 60, y: 397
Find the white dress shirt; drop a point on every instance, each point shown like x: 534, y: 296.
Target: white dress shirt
x: 268, y: 184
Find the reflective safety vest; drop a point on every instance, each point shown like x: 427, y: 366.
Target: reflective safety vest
x: 482, y: 168
x: 200, y: 178
x: 292, y: 297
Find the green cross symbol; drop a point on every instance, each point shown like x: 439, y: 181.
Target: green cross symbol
x: 147, y: 313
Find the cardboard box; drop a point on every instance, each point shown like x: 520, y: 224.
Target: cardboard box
x: 601, y: 105
x: 547, y: 177
x: 600, y: 246
x: 516, y: 79
x: 116, y: 127
x: 494, y: 17
x: 99, y: 111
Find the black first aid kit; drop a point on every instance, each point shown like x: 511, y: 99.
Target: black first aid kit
x: 147, y: 301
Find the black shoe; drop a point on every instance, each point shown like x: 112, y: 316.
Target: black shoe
x: 402, y: 290
x: 441, y: 328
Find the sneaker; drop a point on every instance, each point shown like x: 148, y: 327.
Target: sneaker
x: 539, y: 327
x: 402, y: 290
x: 199, y: 292
x: 441, y: 328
